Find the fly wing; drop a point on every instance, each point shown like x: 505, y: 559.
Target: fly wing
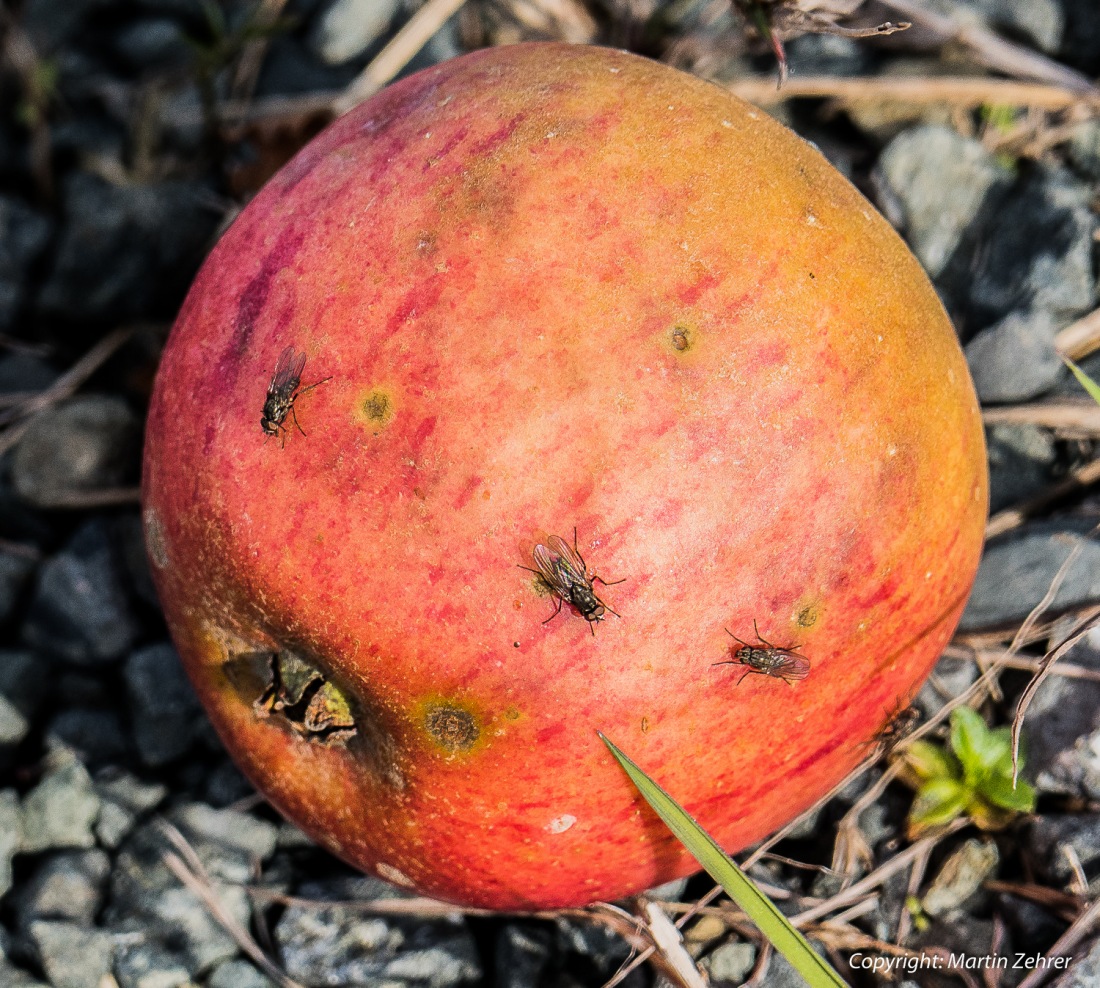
x: 792, y: 666
x: 549, y: 567
x: 570, y: 559
x: 288, y: 370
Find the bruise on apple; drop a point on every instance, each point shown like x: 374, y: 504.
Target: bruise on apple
x: 452, y: 728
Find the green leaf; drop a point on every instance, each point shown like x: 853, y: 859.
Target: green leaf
x: 759, y: 908
x: 1084, y: 380
x: 937, y: 802
x: 997, y: 789
x: 978, y: 748
x: 930, y: 761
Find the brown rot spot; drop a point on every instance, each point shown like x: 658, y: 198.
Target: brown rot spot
x: 154, y: 538
x: 291, y: 689
x: 452, y: 728
x: 645, y: 725
x: 378, y: 408
x: 681, y: 339
x: 807, y: 616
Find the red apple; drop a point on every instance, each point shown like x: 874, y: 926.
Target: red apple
x: 543, y: 290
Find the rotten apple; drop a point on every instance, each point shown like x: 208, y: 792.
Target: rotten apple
x: 571, y: 369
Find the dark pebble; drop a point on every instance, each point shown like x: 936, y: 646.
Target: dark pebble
x: 148, y: 963
x: 522, y: 955
x: 85, y: 444
x: 15, y: 570
x: 80, y: 610
x: 1014, y: 360
x: 124, y: 800
x: 1047, y: 835
x: 24, y: 680
x: 163, y: 705
x: 21, y: 372
x: 154, y: 235
x: 1020, y: 461
x: 24, y: 235
x: 156, y: 44
x: 66, y: 886
x: 96, y: 735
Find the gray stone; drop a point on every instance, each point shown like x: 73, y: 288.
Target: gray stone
x: 22, y: 372
x: 67, y: 886
x: 15, y: 570
x: 61, y: 810
x: 950, y: 678
x: 1030, y: 250
x: 522, y: 955
x: 72, y: 956
x: 87, y: 443
x: 13, y: 725
x: 153, y: 234
x: 330, y: 945
x: 11, y: 835
x: 1020, y: 460
x: 604, y: 948
x: 25, y: 679
x: 238, y: 974
x: 730, y: 963
x: 1040, y: 21
x: 961, y: 876
x: 146, y: 963
x: 164, y: 707
x: 154, y: 43
x: 14, y: 977
x: 1084, y: 149
x: 1085, y: 972
x: 349, y: 27
x: 81, y: 611
x: 1015, y: 359
x: 1049, y: 834
x: 124, y: 799
x: 227, y: 841
x: 1015, y: 575
x: 940, y: 179
x: 24, y: 235
x: 97, y: 736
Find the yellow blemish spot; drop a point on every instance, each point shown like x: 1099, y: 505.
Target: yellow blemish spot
x: 451, y: 727
x: 377, y: 408
x: 807, y: 615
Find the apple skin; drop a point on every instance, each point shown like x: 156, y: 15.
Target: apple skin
x: 555, y: 288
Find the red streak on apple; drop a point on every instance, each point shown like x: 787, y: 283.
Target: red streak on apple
x: 557, y: 288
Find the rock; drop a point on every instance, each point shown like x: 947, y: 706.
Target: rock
x: 148, y: 964
x: 940, y: 180
x: 80, y: 610
x: 1049, y: 834
x: 85, y: 444
x: 1029, y: 923
x: 291, y: 68
x: 1015, y: 575
x: 11, y: 835
x: 522, y: 955
x: 1085, y: 972
x: 594, y: 942
x: 14, y: 977
x: 164, y: 708
x: 349, y: 27
x: 1020, y: 461
x: 1015, y: 359
x: 15, y: 570
x: 67, y: 886
x: 334, y: 945
x: 152, y: 44
x: 1039, y: 21
x: 961, y: 876
x: 1029, y: 250
x: 25, y: 678
x: 154, y: 235
x: 950, y: 678
x: 24, y: 235
x: 1084, y: 149
x: 238, y: 974
x: 97, y: 736
x: 826, y: 54
x: 730, y: 963
x: 124, y: 799
x: 72, y: 956
x: 13, y: 725
x: 224, y: 785
x: 61, y: 810
x: 20, y: 373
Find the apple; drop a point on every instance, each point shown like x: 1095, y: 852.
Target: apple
x: 569, y: 298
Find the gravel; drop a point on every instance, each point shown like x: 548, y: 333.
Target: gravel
x: 164, y: 709
x: 1015, y: 359
x: 67, y: 885
x: 61, y: 810
x: 72, y: 956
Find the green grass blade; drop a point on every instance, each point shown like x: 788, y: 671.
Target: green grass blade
x: 759, y: 908
x: 1085, y: 381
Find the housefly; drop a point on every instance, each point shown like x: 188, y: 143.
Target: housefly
x: 767, y: 659
x: 283, y: 391
x: 903, y: 721
x: 562, y: 570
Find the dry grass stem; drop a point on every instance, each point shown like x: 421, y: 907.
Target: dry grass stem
x: 1081, y: 338
x: 396, y: 55
x: 1075, y: 482
x: 962, y: 91
x: 670, y: 944
x: 1069, y: 417
x: 248, y: 66
x: 108, y: 497
x: 185, y: 864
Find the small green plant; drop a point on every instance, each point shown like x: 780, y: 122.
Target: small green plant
x: 973, y: 777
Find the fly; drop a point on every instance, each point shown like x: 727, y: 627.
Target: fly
x: 769, y: 660
x: 283, y: 391
x: 903, y: 721
x: 562, y: 570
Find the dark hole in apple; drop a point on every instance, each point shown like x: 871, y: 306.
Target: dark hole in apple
x: 295, y: 692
